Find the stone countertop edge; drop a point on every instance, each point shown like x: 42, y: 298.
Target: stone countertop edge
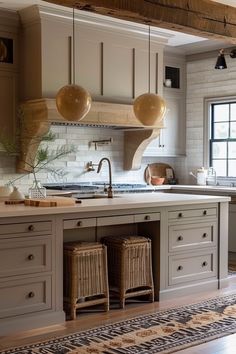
x: 138, y: 201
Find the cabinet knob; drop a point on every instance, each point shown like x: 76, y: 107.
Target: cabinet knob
x: 147, y: 217
x: 30, y: 257
x: 163, y: 145
x: 180, y: 238
x: 204, y: 235
x: 159, y: 145
x: 204, y: 264
x: 204, y: 212
x: 79, y: 223
x: 31, y: 227
x: 180, y: 268
x: 31, y: 294
x: 180, y: 215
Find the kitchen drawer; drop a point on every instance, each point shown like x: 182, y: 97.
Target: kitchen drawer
x: 146, y: 217
x: 190, y: 236
x: 79, y: 223
x: 25, y: 256
x: 115, y: 220
x: 192, y: 213
x: 24, y: 296
x: 193, y: 266
x: 26, y: 228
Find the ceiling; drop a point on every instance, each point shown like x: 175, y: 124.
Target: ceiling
x: 178, y: 41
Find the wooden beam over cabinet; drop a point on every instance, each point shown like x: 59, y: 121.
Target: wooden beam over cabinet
x: 198, y: 17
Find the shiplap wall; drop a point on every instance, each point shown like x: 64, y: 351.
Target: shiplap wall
x: 203, y: 81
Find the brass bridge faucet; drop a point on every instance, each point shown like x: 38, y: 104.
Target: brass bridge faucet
x: 109, y: 189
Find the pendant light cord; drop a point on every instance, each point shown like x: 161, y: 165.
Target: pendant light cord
x: 149, y: 59
x: 73, y: 47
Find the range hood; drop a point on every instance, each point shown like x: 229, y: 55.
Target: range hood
x: 40, y: 114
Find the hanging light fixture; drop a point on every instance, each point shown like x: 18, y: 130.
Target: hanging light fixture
x: 73, y: 101
x: 220, y: 62
x: 149, y: 108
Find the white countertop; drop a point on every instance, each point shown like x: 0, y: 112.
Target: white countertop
x: 120, y: 202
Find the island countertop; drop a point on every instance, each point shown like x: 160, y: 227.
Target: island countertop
x: 119, y: 202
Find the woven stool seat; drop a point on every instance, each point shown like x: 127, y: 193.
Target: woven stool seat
x: 129, y: 266
x: 85, y: 276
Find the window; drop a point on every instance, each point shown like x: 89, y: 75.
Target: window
x: 222, y: 140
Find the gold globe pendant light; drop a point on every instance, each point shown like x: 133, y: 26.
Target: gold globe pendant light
x: 149, y: 108
x: 73, y: 101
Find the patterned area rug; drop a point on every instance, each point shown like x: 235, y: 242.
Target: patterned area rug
x: 162, y: 332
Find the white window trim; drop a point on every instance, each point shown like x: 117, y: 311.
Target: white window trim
x: 206, y: 126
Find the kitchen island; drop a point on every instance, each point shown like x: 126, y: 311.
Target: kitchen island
x: 189, y: 236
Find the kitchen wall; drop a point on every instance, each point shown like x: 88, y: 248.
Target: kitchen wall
x: 203, y: 81
x: 75, y: 164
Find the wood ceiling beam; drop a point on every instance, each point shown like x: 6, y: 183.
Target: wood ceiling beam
x: 198, y: 17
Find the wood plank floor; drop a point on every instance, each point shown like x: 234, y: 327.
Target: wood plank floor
x: 87, y: 320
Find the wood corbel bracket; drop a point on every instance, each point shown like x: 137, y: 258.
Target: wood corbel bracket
x: 135, y: 142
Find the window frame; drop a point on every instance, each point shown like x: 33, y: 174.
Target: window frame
x: 208, y: 127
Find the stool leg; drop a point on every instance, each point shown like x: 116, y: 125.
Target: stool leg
x: 106, y: 306
x: 73, y: 311
x: 152, y: 297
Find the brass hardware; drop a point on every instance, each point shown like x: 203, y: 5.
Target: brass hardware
x: 100, y: 142
x: 31, y: 227
x: 31, y: 294
x: 30, y: 257
x: 79, y: 223
x: 204, y: 264
x: 204, y: 235
x: 180, y: 215
x: 109, y: 189
x: 147, y: 217
x: 204, y: 212
x: 180, y: 238
x: 180, y: 268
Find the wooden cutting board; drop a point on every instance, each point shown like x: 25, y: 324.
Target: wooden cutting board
x: 156, y: 169
x: 51, y: 202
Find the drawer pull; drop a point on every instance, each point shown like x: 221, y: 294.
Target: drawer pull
x: 147, y: 217
x: 31, y: 227
x: 31, y: 294
x: 204, y: 235
x: 204, y: 212
x: 180, y: 238
x: 180, y: 268
x: 79, y: 223
x: 180, y: 215
x: 204, y: 264
x: 30, y: 257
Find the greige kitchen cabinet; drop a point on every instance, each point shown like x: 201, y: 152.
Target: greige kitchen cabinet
x: 111, y: 56
x: 28, y: 273
x: 171, y: 141
x: 191, y: 248
x: 9, y: 24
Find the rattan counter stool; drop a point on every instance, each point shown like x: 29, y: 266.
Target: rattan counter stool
x: 129, y: 266
x: 85, y: 276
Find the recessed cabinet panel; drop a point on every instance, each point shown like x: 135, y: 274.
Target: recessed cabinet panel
x: 141, y: 72
x: 25, y: 256
x: 89, y: 64
x: 191, y: 236
x: 190, y: 267
x: 25, y: 296
x: 118, y: 71
x: 55, y: 57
